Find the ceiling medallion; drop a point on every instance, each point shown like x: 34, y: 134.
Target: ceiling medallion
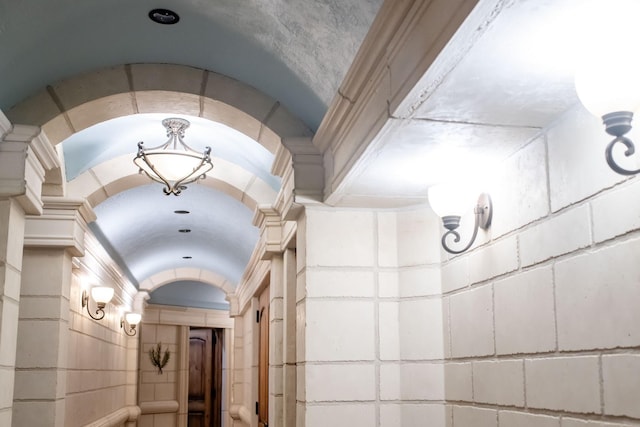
x: 173, y: 163
x: 164, y: 16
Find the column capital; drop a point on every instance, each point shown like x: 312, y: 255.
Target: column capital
x: 301, y: 166
x: 271, y: 225
x: 63, y: 224
x: 26, y: 156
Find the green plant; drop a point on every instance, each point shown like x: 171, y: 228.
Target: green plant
x: 158, y: 359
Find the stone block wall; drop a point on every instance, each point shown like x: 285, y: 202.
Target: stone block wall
x: 101, y: 361
x: 542, y: 326
x: 163, y: 398
x: 156, y: 387
x: 369, y: 319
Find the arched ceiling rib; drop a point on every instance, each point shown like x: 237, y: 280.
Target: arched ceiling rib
x: 189, y: 293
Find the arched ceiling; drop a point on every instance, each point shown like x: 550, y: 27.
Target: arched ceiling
x: 506, y: 73
x: 296, y: 52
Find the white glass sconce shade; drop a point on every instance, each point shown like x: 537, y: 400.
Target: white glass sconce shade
x: 102, y: 294
x: 450, y: 199
x: 133, y: 318
x: 607, y: 77
x: 129, y: 322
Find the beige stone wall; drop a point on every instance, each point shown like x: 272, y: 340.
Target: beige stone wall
x: 369, y: 319
x: 163, y: 397
x: 542, y: 320
x: 101, y: 364
x: 101, y: 359
x: 245, y: 369
x: 156, y: 387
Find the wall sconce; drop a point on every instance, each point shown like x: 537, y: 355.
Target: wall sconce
x: 607, y: 80
x: 129, y: 322
x: 450, y: 203
x: 101, y: 295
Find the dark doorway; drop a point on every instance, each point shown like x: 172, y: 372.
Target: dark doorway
x: 205, y: 377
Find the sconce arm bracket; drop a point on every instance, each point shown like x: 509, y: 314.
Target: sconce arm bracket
x: 129, y: 330
x: 483, y: 216
x: 631, y: 149
x: 618, y: 124
x: 99, y: 311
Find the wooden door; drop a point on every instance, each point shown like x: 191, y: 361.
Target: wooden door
x: 205, y: 377
x: 263, y: 359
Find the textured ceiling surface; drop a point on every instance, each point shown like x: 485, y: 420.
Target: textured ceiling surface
x: 143, y: 228
x: 296, y: 52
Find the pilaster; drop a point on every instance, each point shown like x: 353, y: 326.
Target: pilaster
x: 12, y: 219
x: 51, y: 241
x: 25, y: 158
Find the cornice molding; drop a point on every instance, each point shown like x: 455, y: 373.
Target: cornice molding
x: 403, y: 42
x: 62, y: 224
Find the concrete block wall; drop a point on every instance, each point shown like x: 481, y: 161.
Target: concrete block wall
x: 542, y: 326
x: 369, y: 319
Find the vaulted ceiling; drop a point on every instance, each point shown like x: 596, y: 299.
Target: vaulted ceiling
x: 506, y: 72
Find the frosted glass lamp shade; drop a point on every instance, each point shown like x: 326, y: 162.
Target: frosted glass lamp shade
x: 133, y: 318
x: 102, y: 294
x: 450, y: 199
x: 605, y: 88
x: 172, y: 165
x: 607, y: 75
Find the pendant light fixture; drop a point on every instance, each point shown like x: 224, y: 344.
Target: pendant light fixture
x: 174, y: 163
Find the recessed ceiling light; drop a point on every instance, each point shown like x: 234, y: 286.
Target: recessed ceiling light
x: 184, y: 230
x: 187, y: 257
x: 164, y: 16
x: 181, y: 212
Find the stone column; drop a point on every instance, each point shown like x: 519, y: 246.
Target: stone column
x: 23, y: 152
x: 51, y: 241
x: 289, y: 339
x: 11, y: 237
